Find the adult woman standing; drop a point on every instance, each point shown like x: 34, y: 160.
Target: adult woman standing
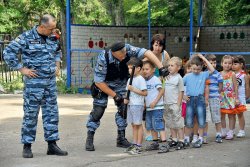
x: 158, y: 48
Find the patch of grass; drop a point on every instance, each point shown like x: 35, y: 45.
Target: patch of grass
x: 62, y: 86
x: 16, y: 84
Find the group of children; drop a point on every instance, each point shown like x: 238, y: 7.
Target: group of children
x: 184, y: 105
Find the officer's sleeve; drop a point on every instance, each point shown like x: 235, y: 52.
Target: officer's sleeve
x: 11, y: 51
x: 58, y: 56
x: 100, y: 68
x: 135, y: 51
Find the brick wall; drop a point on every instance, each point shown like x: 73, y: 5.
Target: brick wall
x: 210, y: 39
x: 177, y: 43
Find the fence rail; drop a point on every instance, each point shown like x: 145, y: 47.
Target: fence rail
x: 7, y: 74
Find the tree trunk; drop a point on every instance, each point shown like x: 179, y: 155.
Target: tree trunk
x: 110, y: 10
x: 63, y: 35
x: 204, y: 9
x: 115, y: 10
x: 119, y: 14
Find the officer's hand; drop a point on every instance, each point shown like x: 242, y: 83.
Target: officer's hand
x: 58, y: 63
x: 28, y: 72
x: 57, y: 33
x: 118, y: 100
x: 126, y: 101
x: 163, y: 72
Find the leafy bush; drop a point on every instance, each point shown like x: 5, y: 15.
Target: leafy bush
x: 16, y: 84
x: 62, y: 86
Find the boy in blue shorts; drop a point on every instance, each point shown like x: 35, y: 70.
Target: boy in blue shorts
x: 154, y: 109
x: 138, y: 91
x: 195, y: 87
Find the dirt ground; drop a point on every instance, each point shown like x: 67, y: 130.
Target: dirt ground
x: 74, y: 110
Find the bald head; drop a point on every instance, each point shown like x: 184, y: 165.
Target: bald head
x: 47, y: 25
x: 46, y: 19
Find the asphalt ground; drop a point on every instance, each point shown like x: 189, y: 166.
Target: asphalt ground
x: 74, y: 110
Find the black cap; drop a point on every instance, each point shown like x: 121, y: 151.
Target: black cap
x: 117, y: 46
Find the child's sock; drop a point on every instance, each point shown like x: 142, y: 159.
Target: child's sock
x: 218, y: 133
x: 205, y: 134
x: 201, y: 139
x: 224, y: 131
x: 181, y: 140
x: 195, y: 138
x: 174, y: 139
x: 241, y: 131
x: 139, y: 145
x: 187, y: 139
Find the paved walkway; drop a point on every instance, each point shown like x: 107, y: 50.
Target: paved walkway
x: 74, y: 110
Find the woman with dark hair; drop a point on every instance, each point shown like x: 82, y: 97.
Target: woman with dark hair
x: 158, y: 48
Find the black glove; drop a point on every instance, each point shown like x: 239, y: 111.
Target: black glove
x: 119, y: 100
x: 163, y: 72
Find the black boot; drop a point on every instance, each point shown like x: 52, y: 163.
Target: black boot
x: 27, y: 153
x: 121, y: 140
x: 53, y: 149
x: 89, y: 146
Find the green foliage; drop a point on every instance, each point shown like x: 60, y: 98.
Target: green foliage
x: 136, y: 13
x: 238, y: 11
x: 176, y: 12
x: 19, y: 15
x: 16, y: 84
x: 62, y: 87
x: 90, y: 12
x: 163, y: 13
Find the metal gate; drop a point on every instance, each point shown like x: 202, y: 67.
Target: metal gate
x: 7, y: 75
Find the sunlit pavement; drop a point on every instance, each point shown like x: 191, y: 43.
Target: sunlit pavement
x: 74, y: 110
